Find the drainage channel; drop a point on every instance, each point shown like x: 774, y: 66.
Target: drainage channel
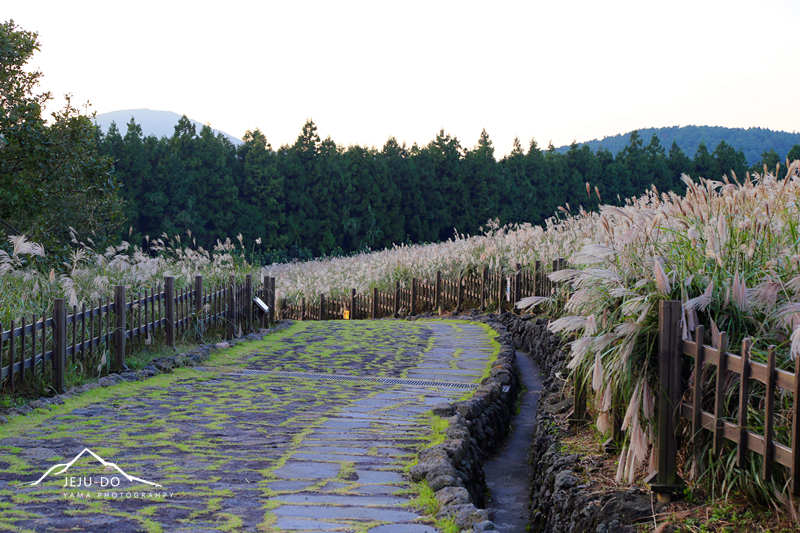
x: 346, y: 377
x: 508, y: 473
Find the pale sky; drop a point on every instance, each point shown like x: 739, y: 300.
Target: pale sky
x: 364, y: 71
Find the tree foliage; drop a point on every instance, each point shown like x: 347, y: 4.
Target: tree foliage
x: 51, y: 177
x: 315, y: 197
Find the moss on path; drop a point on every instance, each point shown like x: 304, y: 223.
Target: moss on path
x: 244, y: 453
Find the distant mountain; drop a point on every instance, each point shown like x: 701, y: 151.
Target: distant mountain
x: 158, y: 123
x: 752, y: 141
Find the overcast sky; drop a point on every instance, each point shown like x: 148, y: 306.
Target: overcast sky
x: 364, y: 71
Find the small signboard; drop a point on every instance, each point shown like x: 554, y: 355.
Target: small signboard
x: 346, y: 314
x: 261, y: 305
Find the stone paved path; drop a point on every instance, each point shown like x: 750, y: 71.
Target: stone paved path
x: 248, y: 452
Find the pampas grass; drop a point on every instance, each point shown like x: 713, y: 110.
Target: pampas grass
x: 90, y: 275
x: 728, y: 251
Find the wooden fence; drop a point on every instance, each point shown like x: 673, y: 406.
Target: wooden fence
x: 489, y: 289
x: 84, y: 336
x: 718, y: 423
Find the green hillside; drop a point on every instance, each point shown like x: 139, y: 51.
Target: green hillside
x: 752, y: 141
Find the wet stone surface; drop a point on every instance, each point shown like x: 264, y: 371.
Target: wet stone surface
x: 341, y: 349
x: 212, y: 451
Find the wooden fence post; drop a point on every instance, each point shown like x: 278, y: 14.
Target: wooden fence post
x: 2, y: 361
x: 484, y: 281
x: 697, y: 396
x: 248, y: 301
x: 11, y: 352
x: 578, y: 400
x: 437, y: 299
x: 352, y: 304
x: 272, y: 300
x: 232, y: 306
x: 744, y: 398
x: 322, y: 306
x: 120, y: 327
x: 262, y: 317
x: 198, y: 306
x: 374, y: 303
x: 665, y: 480
x: 413, y: 310
x: 396, y: 299
x: 59, y: 345
x: 795, y: 470
x: 22, y: 350
x: 169, y: 309
x: 719, y: 399
x: 538, y: 289
x: 769, y: 417
x: 517, y: 286
x: 552, y: 283
x: 501, y: 289
x: 460, y: 295
x: 302, y: 310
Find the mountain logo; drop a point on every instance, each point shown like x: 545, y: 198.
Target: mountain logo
x: 63, y: 467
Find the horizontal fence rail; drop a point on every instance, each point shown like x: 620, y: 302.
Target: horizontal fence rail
x: 100, y: 334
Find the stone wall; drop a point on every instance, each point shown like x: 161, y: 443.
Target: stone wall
x: 565, y: 497
x: 477, y: 429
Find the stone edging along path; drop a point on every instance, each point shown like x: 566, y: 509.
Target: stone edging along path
x: 477, y: 428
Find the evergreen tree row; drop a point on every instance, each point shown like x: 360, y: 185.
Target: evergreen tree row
x: 315, y: 197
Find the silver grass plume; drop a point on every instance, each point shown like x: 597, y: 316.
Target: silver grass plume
x: 621, y: 466
x: 662, y: 282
